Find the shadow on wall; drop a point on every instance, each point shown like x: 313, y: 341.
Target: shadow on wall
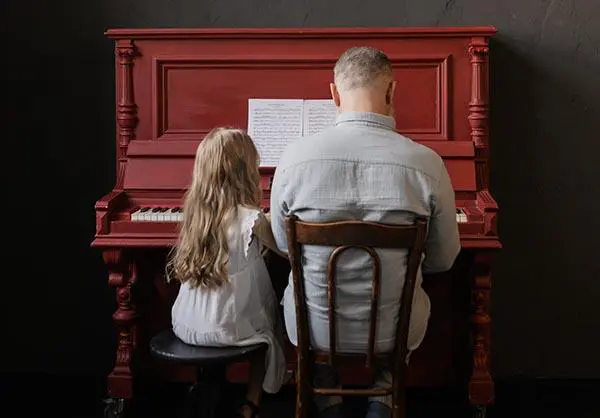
x: 543, y: 173
x: 60, y: 137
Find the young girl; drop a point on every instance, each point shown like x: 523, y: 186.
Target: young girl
x: 226, y: 297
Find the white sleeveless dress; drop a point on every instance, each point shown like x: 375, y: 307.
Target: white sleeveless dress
x: 241, y: 312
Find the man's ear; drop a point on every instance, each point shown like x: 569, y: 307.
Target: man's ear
x: 389, y: 94
x: 335, y: 94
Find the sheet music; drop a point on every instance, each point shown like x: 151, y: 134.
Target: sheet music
x: 318, y: 115
x: 273, y: 124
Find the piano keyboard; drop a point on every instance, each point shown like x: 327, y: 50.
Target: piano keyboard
x: 157, y: 214
x: 164, y: 214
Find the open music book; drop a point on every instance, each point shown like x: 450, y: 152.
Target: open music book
x: 274, y: 123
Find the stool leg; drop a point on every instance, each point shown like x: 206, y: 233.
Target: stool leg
x: 206, y: 396
x: 192, y: 402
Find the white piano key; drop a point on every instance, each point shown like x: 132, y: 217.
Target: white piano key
x: 178, y: 216
x: 142, y: 214
x: 461, y: 216
x: 173, y: 215
x: 153, y: 215
x: 135, y: 215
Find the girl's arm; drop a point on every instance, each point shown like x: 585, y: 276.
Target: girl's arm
x: 262, y: 230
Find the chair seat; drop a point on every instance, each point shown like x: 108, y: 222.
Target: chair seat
x: 167, y: 346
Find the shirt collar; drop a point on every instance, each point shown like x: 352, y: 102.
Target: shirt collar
x: 375, y: 120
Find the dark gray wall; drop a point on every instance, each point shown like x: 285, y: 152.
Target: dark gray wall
x: 58, y: 96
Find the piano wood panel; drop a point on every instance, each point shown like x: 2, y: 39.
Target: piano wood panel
x: 192, y: 94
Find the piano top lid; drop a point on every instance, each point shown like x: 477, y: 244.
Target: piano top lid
x: 326, y: 32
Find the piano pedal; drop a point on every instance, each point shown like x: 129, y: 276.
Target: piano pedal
x: 114, y: 408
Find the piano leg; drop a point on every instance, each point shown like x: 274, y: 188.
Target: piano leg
x: 122, y: 276
x: 481, y: 385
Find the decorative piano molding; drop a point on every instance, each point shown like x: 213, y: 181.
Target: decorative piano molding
x: 481, y: 384
x: 168, y: 100
x: 488, y: 205
x: 122, y: 275
x: 126, y: 107
x: 104, y: 207
x: 479, y: 107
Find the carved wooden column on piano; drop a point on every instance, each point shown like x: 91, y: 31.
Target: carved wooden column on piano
x: 126, y: 107
x: 479, y: 107
x: 122, y: 276
x: 481, y: 385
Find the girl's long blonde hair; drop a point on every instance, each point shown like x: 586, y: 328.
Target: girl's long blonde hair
x: 225, y: 175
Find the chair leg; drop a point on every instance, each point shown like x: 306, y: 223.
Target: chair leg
x: 398, y: 398
x: 302, y: 401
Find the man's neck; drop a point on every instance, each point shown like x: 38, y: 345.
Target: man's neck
x: 365, y: 109
x: 364, y: 106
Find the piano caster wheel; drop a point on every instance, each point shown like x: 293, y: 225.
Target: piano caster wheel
x: 115, y: 408
x: 480, y: 411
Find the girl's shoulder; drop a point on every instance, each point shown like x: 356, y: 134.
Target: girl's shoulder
x: 248, y: 212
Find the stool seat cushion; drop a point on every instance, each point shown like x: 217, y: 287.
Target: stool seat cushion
x: 167, y: 346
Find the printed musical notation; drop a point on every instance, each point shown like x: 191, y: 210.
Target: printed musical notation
x: 274, y: 123
x: 318, y: 115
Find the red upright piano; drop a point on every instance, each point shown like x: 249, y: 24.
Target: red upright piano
x: 174, y: 85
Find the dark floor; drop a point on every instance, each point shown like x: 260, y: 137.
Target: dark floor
x: 40, y: 395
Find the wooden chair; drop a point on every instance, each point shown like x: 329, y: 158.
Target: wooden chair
x: 365, y: 236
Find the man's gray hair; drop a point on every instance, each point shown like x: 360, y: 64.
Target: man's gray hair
x: 359, y: 67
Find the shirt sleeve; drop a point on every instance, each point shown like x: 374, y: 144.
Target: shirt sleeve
x: 279, y: 210
x: 443, y: 241
x: 262, y: 231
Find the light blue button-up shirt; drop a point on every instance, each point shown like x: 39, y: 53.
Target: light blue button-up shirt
x: 361, y: 169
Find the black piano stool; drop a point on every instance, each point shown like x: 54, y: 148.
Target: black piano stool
x: 211, y: 365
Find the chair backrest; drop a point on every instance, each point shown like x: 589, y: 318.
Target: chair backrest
x: 366, y: 236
